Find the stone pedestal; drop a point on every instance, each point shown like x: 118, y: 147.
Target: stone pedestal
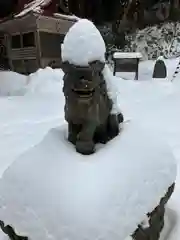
x: 156, y: 220
x: 52, y: 192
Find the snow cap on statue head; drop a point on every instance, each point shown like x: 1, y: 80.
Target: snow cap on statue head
x: 82, y: 44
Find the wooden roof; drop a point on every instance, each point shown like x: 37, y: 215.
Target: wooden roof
x: 32, y: 21
x: 44, y: 7
x: 32, y: 14
x: 16, y: 24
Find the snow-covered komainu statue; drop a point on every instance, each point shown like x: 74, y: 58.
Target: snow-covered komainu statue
x: 89, y: 106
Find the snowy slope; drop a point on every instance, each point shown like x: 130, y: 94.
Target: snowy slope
x: 24, y: 122
x: 25, y: 119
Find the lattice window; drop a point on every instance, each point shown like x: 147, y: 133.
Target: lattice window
x: 16, y: 41
x: 28, y: 39
x: 50, y: 44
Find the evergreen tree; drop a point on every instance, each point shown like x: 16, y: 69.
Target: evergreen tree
x: 7, y: 7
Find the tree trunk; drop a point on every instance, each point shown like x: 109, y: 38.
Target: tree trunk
x: 82, y: 4
x: 74, y: 7
x: 63, y: 6
x: 174, y: 4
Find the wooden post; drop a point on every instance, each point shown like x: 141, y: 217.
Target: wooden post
x: 38, y: 48
x: 114, y: 71
x: 8, y: 45
x: 137, y: 70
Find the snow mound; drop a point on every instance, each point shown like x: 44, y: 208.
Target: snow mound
x: 45, y: 80
x: 111, y: 88
x: 83, y: 43
x: 12, y: 83
x: 70, y: 196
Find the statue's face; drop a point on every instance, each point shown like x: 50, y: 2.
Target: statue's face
x: 83, y: 81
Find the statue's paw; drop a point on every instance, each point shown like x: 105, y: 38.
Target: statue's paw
x: 120, y: 117
x: 103, y: 139
x: 113, y: 126
x: 85, y: 147
x: 113, y: 132
x: 72, y: 139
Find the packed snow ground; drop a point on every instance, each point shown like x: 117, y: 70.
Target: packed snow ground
x: 26, y: 119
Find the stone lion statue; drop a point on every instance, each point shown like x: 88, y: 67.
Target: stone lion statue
x: 88, y: 107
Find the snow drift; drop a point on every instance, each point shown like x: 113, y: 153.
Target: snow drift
x: 45, y: 80
x: 12, y: 83
x: 52, y: 192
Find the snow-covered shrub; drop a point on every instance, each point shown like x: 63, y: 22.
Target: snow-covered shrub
x: 153, y: 41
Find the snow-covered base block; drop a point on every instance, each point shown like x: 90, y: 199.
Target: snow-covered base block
x: 52, y: 192
x: 153, y: 226
x: 170, y: 221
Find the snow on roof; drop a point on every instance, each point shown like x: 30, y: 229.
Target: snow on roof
x: 35, y: 6
x: 127, y: 55
x: 67, y: 17
x: 83, y: 43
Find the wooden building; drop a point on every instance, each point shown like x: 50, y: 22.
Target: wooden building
x: 33, y: 37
